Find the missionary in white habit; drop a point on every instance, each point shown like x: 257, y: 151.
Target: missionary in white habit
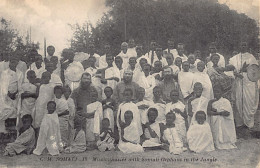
x: 10, y: 90
x: 246, y: 91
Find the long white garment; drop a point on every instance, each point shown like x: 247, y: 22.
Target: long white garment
x: 200, y: 138
x: 198, y: 104
x: 176, y: 145
x: 223, y: 127
x: 22, y: 67
x: 148, y: 83
x: 180, y: 121
x: 247, y: 93
x: 204, y: 79
x: 148, y: 57
x: 93, y: 124
x: 173, y: 51
x: 175, y: 69
x: 55, y: 80
x: 69, y: 72
x: 38, y: 72
x: 49, y: 136
x: 112, y: 72
x: 186, y: 80
x: 109, y: 113
x: 10, y: 82
x: 28, y: 104
x: 152, y: 141
x: 125, y: 57
x: 143, y: 112
x: 123, y: 107
x: 46, y: 94
x: 132, y: 52
x: 131, y: 134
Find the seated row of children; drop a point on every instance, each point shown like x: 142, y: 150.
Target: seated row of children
x: 135, y: 127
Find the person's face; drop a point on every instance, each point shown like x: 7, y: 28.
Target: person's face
x: 201, y: 66
x: 132, y: 62
x: 67, y: 93
x: 146, y: 69
x: 138, y: 51
x: 26, y: 122
x: 124, y: 48
x: 197, y: 54
x: 85, y: 81
x: 51, y: 108
x: 50, y: 50
x: 118, y: 62
x: 128, y: 76
x: 157, y: 66
x: 215, y: 59
x: 45, y: 78
x: 159, y: 52
x: 174, y: 96
x: 217, y: 94
x: 70, y: 57
x: 153, y: 45
x: 152, y: 115
x: 191, y: 59
x: 212, y: 49
x: 142, y: 63
x: 243, y: 47
x: 169, y: 60
x: 170, y: 44
x: 178, y: 62
x: 31, y: 77
x: 58, y: 93
x: 92, y: 61
x: 180, y: 50
x: 105, y: 124
x: 157, y: 92
x: 127, y: 96
x: 201, y: 118
x: 94, y: 95
x: 170, y: 119
x: 38, y: 61
x: 131, y: 43
x: 141, y: 94
x: 32, y: 56
x: 167, y: 72
x: 198, y: 90
x: 185, y: 66
x: 128, y: 118
x: 13, y: 64
x: 107, y: 49
x: 108, y: 92
x: 91, y: 49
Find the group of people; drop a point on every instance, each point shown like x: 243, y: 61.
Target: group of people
x: 130, y: 102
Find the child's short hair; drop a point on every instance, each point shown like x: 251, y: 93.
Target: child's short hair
x: 108, y: 87
x: 150, y: 110
x: 171, y: 113
x: 129, y: 90
x: 200, y: 113
x: 128, y: 112
x: 27, y: 116
x: 30, y: 72
x: 51, y: 102
x: 58, y: 88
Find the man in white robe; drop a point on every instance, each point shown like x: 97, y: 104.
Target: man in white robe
x: 124, y: 55
x: 102, y: 59
x: 10, y: 90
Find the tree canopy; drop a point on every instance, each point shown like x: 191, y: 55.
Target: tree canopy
x: 195, y: 23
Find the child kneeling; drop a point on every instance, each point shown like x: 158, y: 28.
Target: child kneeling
x: 106, y: 137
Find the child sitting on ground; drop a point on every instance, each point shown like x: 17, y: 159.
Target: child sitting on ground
x: 78, y: 143
x: 63, y: 114
x: 109, y: 105
x: 49, y: 136
x: 152, y: 130
x: 106, y: 137
x: 169, y: 136
x: 199, y: 135
x: 25, y: 141
x: 129, y: 137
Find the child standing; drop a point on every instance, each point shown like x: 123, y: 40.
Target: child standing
x: 63, y: 114
x: 25, y: 141
x: 169, y: 136
x: 106, y: 137
x: 199, y: 135
x: 49, y: 136
x: 109, y: 105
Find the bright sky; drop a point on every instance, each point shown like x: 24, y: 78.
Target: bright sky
x: 50, y: 18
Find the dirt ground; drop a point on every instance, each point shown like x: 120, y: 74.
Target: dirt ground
x: 246, y: 155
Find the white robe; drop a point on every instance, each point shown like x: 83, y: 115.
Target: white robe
x: 149, y: 59
x: 112, y: 72
x: 186, y: 81
x: 125, y: 57
x: 223, y: 127
x: 132, y: 52
x: 161, y: 108
x: 28, y: 104
x: 148, y: 83
x: 49, y: 136
x: 152, y: 141
x: 10, y: 81
x: 204, y: 79
x: 198, y: 104
x: 55, y: 80
x: 37, y: 71
x: 246, y: 92
x: 143, y: 112
x: 176, y: 145
x: 200, y: 138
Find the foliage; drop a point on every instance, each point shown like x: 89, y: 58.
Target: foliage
x: 195, y: 23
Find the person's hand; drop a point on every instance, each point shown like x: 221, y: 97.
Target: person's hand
x: 238, y: 75
x: 225, y: 113
x: 244, y: 67
x: 146, y: 125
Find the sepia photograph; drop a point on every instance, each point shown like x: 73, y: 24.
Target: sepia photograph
x: 129, y: 83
